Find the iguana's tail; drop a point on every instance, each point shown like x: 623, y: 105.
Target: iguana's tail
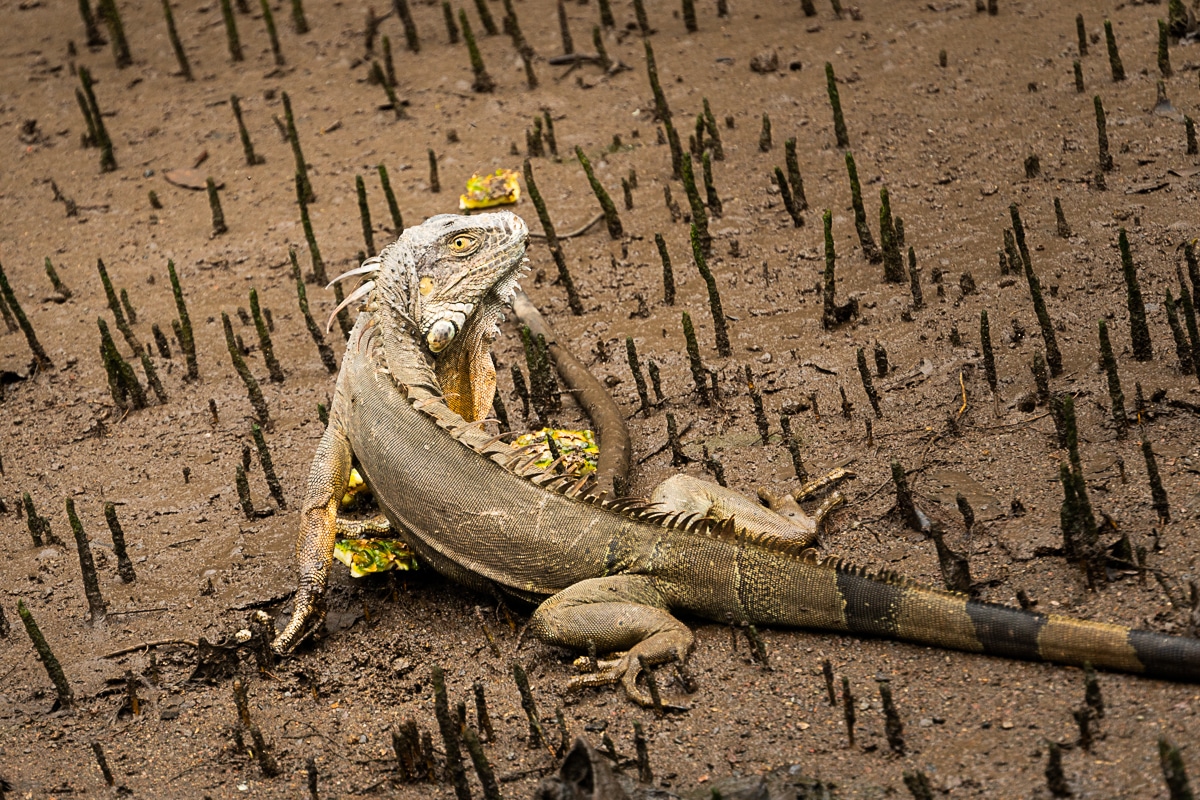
x: 892, y: 607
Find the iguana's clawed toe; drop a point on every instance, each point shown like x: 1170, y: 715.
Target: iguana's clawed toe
x: 831, y: 502
x: 822, y: 482
x: 307, y: 619
x: 623, y: 670
x: 376, y: 526
x: 585, y: 664
x: 629, y: 681
x: 609, y: 673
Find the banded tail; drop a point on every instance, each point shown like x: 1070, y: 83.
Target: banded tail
x: 901, y: 610
x: 839, y: 597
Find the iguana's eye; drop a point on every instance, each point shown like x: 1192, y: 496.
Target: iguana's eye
x: 426, y: 286
x: 462, y: 243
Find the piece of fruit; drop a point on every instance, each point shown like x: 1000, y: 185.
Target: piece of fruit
x: 500, y: 188
x: 364, y: 556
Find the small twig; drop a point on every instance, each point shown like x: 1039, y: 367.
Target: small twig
x: 686, y: 428
x: 487, y: 633
x: 147, y: 645
x: 194, y: 539
x: 138, y: 611
x: 905, y: 432
x: 928, y: 447
x: 1018, y: 423
x: 512, y: 777
x: 888, y: 482
x: 577, y: 232
x: 575, y: 59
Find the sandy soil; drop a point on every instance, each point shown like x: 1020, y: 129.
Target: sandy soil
x: 949, y: 143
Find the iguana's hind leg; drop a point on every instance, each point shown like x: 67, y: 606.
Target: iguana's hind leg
x: 618, y: 613
x: 784, y: 517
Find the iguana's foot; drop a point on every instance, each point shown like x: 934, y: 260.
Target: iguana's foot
x: 308, y: 615
x: 785, y: 519
x: 786, y: 506
x: 376, y: 527
x: 623, y: 670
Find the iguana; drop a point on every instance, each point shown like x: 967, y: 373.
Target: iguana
x: 609, y: 573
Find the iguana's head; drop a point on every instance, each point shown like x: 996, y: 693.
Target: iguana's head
x: 448, y: 280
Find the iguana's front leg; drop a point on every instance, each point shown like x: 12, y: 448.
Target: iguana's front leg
x: 617, y: 613
x: 327, y: 479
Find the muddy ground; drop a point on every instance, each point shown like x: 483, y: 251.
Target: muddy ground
x: 949, y: 143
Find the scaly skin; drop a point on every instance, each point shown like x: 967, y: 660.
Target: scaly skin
x: 613, y: 572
